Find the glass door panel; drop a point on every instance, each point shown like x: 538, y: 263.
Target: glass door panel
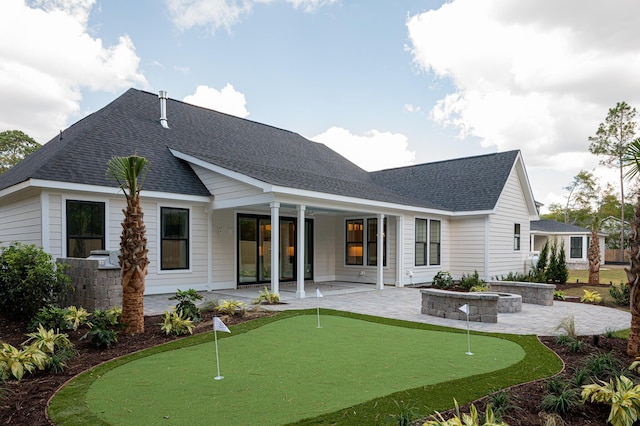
x: 308, y: 249
x: 247, y: 250
x: 264, y: 250
x: 287, y: 249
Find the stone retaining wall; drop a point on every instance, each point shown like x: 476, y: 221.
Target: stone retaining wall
x: 534, y: 293
x: 96, y: 287
x: 483, y: 307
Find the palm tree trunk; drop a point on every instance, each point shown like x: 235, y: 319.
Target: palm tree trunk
x: 633, y: 275
x: 133, y: 261
x: 594, y: 257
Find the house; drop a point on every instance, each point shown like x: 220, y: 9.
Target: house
x: 218, y: 183
x: 574, y: 239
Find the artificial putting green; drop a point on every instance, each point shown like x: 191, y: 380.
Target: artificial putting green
x: 289, y: 370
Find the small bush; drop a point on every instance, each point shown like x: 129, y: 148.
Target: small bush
x: 590, y: 297
x: 471, y: 280
x: 231, y: 307
x: 516, y: 276
x: 501, y: 403
x: 568, y: 325
x: 479, y: 288
x: 620, y: 294
x: 176, y: 323
x: 408, y: 412
x: 622, y: 395
x: 268, y: 297
x: 29, y: 280
x: 16, y: 362
x: 186, y: 304
x: 471, y: 419
x: 603, y: 366
x: 51, y: 317
x: 105, y: 327
x: 442, y: 280
x: 560, y: 403
x: 559, y: 295
x: 48, y: 341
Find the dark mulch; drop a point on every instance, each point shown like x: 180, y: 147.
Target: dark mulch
x: 24, y: 402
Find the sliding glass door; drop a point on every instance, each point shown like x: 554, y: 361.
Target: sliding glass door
x: 254, y: 249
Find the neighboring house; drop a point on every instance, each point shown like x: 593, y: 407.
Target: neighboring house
x: 575, y: 240
x: 217, y: 184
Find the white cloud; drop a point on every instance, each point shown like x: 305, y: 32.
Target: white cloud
x: 411, y: 108
x: 532, y: 75
x: 47, y: 57
x: 372, y: 151
x: 227, y: 100
x: 216, y: 14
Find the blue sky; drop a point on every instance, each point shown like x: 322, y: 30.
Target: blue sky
x: 385, y: 83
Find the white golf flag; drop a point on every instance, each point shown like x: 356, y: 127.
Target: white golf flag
x: 465, y: 308
x: 218, y: 325
x: 318, y: 294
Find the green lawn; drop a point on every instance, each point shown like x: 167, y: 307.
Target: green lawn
x: 284, y: 369
x: 608, y: 274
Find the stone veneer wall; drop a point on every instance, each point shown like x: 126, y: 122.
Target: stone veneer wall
x: 534, y: 293
x: 96, y: 287
x: 483, y: 307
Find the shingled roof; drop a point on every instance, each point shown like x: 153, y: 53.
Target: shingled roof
x: 464, y: 184
x: 553, y: 226
x: 130, y: 124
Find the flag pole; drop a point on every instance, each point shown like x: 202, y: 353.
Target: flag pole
x: 318, y: 296
x: 465, y: 308
x: 215, y: 335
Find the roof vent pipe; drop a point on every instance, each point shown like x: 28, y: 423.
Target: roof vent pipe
x: 162, y: 95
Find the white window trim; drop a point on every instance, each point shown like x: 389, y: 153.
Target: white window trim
x: 428, y: 265
x: 365, y: 245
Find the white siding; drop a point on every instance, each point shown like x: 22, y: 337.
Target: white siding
x: 55, y: 225
x: 21, y: 220
x: 222, y: 187
x: 467, y: 246
x: 223, y: 263
x: 324, y: 251
x: 511, y: 209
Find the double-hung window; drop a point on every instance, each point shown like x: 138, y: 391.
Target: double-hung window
x: 174, y: 249
x: 428, y: 242
x: 576, y: 248
x: 516, y: 236
x: 85, y: 227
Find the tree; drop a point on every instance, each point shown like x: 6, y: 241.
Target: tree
x: 632, y: 160
x: 14, y: 146
x: 611, y: 141
x: 594, y: 253
x: 133, y: 241
x: 583, y: 190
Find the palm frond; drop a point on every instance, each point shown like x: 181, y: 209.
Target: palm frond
x: 631, y: 159
x: 128, y: 172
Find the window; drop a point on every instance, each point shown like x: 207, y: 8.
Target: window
x: 174, y: 249
x: 516, y: 236
x: 85, y: 227
x: 434, y: 242
x: 354, y: 241
x: 372, y: 242
x: 576, y: 248
x: 428, y: 241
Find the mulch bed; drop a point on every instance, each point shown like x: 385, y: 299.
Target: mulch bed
x: 24, y: 402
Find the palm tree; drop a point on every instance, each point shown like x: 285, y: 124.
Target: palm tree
x: 631, y: 160
x: 133, y: 241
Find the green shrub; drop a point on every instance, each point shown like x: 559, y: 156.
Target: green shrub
x: 559, y: 295
x: 77, y: 317
x: 29, y: 280
x: 471, y: 419
x: 501, y: 403
x: 620, y: 294
x: 622, y: 396
x: 603, y: 366
x: 186, y: 304
x: 48, y: 341
x: 408, y: 412
x: 471, y: 280
x: 176, y: 323
x: 442, y: 280
x: 231, y: 307
x: 266, y: 296
x: 105, y: 326
x: 479, y: 288
x: 560, y: 403
x: 516, y: 276
x: 51, y: 317
x: 17, y: 362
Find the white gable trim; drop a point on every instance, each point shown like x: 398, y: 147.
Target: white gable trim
x: 97, y: 189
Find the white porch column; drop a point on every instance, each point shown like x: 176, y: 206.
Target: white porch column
x: 275, y: 247
x: 400, y: 251
x: 380, y: 254
x: 300, y: 252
